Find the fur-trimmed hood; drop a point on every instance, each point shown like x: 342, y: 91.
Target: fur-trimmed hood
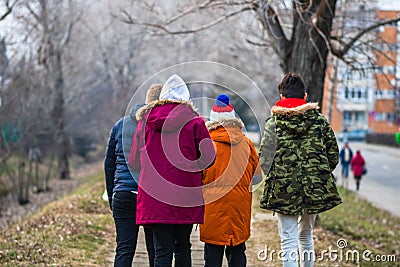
x: 212, y: 125
x: 226, y: 131
x: 295, y: 115
x: 140, y: 114
x: 299, y: 110
x: 167, y: 115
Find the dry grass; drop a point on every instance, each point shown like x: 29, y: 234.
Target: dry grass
x: 362, y: 225
x: 76, y: 230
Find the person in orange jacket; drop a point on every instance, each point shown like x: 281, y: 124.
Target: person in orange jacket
x: 227, y: 188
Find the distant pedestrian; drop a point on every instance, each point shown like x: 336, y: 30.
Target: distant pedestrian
x: 298, y: 154
x: 346, y: 154
x: 226, y: 188
x: 122, y: 187
x: 358, y: 165
x: 171, y: 147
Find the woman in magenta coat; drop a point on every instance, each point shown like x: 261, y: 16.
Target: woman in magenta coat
x: 357, y: 165
x: 171, y: 147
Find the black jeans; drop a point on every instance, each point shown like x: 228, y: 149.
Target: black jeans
x: 170, y: 239
x: 213, y: 255
x: 124, y: 213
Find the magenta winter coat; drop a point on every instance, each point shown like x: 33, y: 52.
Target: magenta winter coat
x: 170, y: 147
x: 357, y: 164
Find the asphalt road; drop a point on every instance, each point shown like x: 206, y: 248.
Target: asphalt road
x: 381, y: 185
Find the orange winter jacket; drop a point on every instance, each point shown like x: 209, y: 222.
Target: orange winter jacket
x: 227, y: 185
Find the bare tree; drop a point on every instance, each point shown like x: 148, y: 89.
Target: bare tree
x: 300, y: 34
x: 8, y: 7
x: 55, y: 21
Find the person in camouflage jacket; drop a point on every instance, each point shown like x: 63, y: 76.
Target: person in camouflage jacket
x: 298, y: 153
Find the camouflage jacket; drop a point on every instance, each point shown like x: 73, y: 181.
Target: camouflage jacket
x: 298, y: 154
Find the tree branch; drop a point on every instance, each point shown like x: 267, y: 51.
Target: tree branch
x: 208, y: 4
x: 346, y: 47
x: 257, y: 43
x: 188, y: 11
x: 130, y: 20
x: 9, y: 9
x: 272, y: 25
x: 36, y: 16
x: 67, y: 35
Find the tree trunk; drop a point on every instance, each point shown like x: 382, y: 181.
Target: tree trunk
x: 46, y: 180
x: 23, y: 182
x: 37, y: 177
x: 309, y: 51
x: 58, y: 115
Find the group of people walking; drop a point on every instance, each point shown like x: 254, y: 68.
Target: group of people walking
x: 169, y: 169
x: 354, y: 162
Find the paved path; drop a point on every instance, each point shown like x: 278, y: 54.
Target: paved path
x: 141, y: 253
x: 381, y: 185
x: 197, y: 247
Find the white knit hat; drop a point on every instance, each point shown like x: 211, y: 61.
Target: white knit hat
x: 175, y: 89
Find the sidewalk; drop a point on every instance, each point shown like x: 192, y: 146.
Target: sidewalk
x: 381, y: 185
x: 141, y: 258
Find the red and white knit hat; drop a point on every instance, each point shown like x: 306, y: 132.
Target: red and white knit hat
x: 222, y: 109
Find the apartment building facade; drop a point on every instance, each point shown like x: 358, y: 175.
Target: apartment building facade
x: 366, y: 97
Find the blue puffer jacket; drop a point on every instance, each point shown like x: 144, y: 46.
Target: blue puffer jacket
x: 118, y: 176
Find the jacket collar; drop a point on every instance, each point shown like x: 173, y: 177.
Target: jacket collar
x: 292, y: 107
x: 212, y: 125
x: 144, y: 110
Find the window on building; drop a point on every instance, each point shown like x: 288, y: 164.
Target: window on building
x: 359, y: 116
x: 379, y: 116
x: 389, y: 70
x: 346, y: 116
x: 378, y: 94
x: 385, y: 94
x: 391, y: 117
x: 346, y: 93
x: 392, y: 47
x: 355, y: 94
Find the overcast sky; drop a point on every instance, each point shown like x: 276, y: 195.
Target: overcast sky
x: 390, y: 4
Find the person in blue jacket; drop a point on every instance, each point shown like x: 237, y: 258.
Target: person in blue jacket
x: 122, y: 186
x: 346, y: 154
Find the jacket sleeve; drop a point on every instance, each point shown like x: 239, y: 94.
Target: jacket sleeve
x: 204, y: 146
x: 254, y: 161
x: 267, y: 146
x: 331, y: 146
x: 134, y: 154
x: 109, y: 164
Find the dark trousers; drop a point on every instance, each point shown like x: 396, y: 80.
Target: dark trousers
x: 213, y: 255
x: 358, y: 180
x: 170, y: 239
x: 124, y: 213
x: 345, y: 169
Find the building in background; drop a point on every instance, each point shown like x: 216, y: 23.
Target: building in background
x: 365, y: 96
x: 384, y: 117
